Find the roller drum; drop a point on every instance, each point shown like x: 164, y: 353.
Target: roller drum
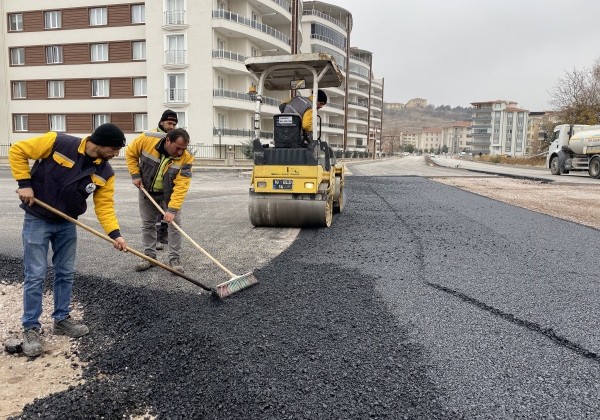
x: 284, y: 210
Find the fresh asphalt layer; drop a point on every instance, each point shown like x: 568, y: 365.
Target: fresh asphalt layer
x: 420, y: 301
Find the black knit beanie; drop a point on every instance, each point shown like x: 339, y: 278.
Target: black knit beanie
x: 168, y: 115
x: 108, y: 135
x: 321, y: 96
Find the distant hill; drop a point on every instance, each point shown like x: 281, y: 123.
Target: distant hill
x: 415, y: 119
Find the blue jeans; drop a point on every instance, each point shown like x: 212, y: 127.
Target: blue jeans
x: 37, y: 236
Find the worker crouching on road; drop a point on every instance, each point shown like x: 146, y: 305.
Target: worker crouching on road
x: 163, y: 166
x: 66, y: 172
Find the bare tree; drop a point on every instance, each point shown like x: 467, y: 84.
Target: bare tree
x: 576, y: 95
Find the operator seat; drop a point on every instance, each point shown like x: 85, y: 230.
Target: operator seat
x: 287, y: 130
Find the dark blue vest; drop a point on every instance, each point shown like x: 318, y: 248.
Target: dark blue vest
x: 64, y: 180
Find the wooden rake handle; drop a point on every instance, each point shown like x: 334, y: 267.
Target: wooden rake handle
x: 210, y: 257
x: 108, y: 238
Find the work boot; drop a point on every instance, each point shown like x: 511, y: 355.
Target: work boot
x: 144, y: 265
x: 70, y: 328
x: 32, y: 344
x: 176, y: 265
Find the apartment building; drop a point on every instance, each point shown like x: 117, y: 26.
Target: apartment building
x: 539, y: 125
x: 72, y: 65
x: 430, y: 139
x: 409, y: 138
x: 416, y: 103
x: 354, y: 111
x: 499, y: 128
x: 456, y: 136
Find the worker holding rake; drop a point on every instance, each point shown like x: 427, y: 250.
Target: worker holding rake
x: 168, y: 121
x: 163, y: 166
x: 66, y: 172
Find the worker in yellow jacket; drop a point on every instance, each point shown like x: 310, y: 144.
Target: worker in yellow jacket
x: 168, y: 121
x: 67, y: 170
x: 303, y: 107
x: 163, y: 166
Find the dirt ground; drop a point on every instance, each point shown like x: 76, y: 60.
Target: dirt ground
x: 26, y: 379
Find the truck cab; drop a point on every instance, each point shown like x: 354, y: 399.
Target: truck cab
x: 561, y: 159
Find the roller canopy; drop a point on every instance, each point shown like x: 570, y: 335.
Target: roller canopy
x: 284, y: 68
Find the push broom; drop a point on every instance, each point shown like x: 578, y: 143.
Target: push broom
x: 235, y: 283
x: 213, y: 291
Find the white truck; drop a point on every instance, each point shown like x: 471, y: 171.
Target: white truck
x: 575, y: 148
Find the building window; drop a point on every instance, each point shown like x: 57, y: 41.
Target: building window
x: 54, y: 54
x: 56, y: 89
x: 100, y: 88
x: 181, y: 122
x: 20, y: 122
x: 17, y: 56
x: 58, y: 122
x: 175, y: 12
x: 176, y: 88
x: 175, y: 49
x: 139, y: 86
x: 98, y: 16
x: 99, y: 52
x: 138, y: 13
x: 15, y: 22
x: 19, y: 90
x: 52, y: 20
x: 139, y: 50
x: 140, y: 122
x: 100, y: 119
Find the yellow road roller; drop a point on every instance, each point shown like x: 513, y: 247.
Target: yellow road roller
x: 295, y: 183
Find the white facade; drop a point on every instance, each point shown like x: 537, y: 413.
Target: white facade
x: 456, y: 136
x: 499, y: 128
x: 189, y: 55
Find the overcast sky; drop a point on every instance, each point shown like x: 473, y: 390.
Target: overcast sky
x: 454, y: 52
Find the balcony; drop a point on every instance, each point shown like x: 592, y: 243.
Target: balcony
x: 324, y: 16
x: 176, y: 98
x: 329, y: 41
x: 240, y: 132
x: 357, y: 120
x: 243, y: 96
x: 242, y: 20
x: 334, y: 106
x: 359, y: 91
x: 359, y: 104
x: 175, y: 20
x: 364, y: 77
x: 229, y: 60
x: 175, y: 59
x: 229, y: 55
x: 284, y: 5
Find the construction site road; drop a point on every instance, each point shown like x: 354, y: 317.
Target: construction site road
x: 422, y: 300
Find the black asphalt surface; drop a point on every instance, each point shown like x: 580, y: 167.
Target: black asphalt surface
x: 421, y: 301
